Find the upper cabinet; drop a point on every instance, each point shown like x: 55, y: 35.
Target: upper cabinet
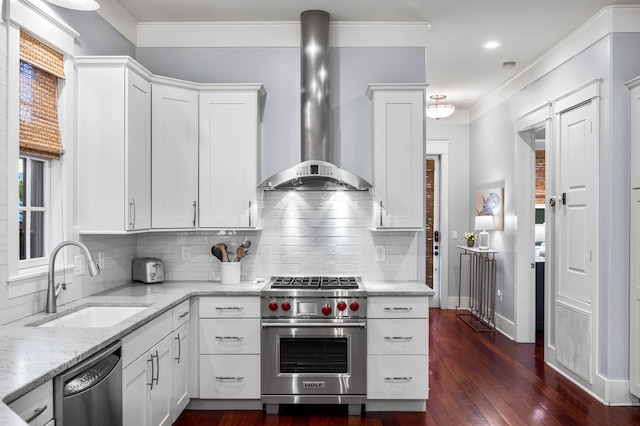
x: 229, y: 156
x: 398, y: 156
x: 114, y: 145
x: 635, y: 132
x: 160, y: 153
x: 174, y: 155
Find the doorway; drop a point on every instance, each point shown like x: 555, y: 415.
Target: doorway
x: 532, y: 146
x: 432, y: 220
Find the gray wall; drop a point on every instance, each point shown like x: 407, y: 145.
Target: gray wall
x: 278, y: 69
x: 615, y: 59
x: 97, y: 37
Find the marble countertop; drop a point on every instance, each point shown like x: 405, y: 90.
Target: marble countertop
x: 30, y: 356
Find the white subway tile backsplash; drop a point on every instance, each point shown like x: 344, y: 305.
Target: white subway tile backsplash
x: 311, y: 232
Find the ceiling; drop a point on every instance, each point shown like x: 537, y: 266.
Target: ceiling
x: 457, y: 65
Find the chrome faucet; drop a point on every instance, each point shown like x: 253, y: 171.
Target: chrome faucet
x: 94, y: 270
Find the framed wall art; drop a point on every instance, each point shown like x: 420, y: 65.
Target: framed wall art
x: 490, y: 202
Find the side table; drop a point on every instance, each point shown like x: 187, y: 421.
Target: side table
x: 482, y: 288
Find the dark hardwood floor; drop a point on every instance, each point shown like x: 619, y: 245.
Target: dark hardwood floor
x: 479, y: 378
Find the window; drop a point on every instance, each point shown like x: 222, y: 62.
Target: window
x: 32, y: 207
x: 40, y: 142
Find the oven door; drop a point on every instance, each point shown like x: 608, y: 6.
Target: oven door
x: 313, y: 359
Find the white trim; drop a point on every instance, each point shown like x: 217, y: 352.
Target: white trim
x: 505, y: 326
x: 577, y: 96
x: 120, y: 19
x: 40, y: 20
x: 278, y: 34
x: 619, y: 18
x: 524, y: 326
x: 441, y: 149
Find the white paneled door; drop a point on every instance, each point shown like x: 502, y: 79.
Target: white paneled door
x: 577, y: 238
x: 576, y: 205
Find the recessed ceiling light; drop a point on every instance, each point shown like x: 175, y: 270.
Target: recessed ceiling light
x: 491, y: 44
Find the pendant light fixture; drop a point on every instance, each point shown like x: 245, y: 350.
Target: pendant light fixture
x: 439, y: 110
x: 83, y: 5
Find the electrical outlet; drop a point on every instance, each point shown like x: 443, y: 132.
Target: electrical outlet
x: 380, y: 254
x: 454, y: 235
x: 78, y: 269
x: 101, y: 260
x: 500, y: 295
x: 186, y: 253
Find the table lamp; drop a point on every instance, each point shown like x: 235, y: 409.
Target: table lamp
x: 484, y: 223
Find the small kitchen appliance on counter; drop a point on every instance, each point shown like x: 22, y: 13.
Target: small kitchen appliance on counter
x: 149, y: 270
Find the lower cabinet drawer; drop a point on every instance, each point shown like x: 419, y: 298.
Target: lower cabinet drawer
x: 230, y: 336
x: 398, y: 336
x: 36, y: 407
x: 397, y: 377
x: 229, y: 376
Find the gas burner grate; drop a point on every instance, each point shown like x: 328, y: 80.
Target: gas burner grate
x: 321, y: 283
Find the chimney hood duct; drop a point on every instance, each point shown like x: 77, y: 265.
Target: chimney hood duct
x: 315, y: 172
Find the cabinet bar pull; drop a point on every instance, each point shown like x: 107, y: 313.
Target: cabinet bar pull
x: 152, y: 371
x: 398, y: 309
x: 195, y: 213
x: 249, y: 212
x: 132, y: 217
x: 179, y: 349
x: 158, y: 369
x: 182, y: 315
x: 36, y: 413
x: 381, y: 213
x: 399, y: 379
x: 229, y: 308
x: 229, y: 378
x: 397, y: 339
x: 229, y: 338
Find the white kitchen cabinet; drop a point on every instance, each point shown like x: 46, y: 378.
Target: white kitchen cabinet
x: 147, y: 374
x: 114, y: 145
x: 181, y: 359
x: 398, y: 348
x: 147, y: 388
x: 229, y: 156
x: 398, y: 192
x: 174, y: 154
x: 36, y: 407
x: 229, y: 347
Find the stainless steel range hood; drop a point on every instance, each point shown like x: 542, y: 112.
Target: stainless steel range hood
x: 315, y: 172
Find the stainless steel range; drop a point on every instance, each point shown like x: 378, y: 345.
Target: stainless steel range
x: 314, y: 342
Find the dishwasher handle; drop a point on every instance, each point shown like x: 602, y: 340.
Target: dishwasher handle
x: 91, y: 376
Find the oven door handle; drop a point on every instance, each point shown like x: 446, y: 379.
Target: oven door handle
x: 315, y: 324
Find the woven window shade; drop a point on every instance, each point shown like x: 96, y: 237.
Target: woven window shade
x: 40, y: 68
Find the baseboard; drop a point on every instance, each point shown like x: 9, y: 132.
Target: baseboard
x: 225, y: 404
x: 615, y: 392
x: 505, y: 326
x: 419, y: 405
x: 452, y: 302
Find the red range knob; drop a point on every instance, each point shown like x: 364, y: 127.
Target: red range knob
x: 354, y: 306
x: 285, y: 306
x: 341, y: 306
x: 326, y: 309
x: 273, y: 306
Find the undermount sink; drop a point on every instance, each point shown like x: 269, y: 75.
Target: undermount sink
x: 95, y: 317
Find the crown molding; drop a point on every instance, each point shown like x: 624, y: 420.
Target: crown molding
x: 611, y: 19
x: 120, y: 19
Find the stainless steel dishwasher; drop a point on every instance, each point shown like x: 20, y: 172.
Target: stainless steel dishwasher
x: 90, y: 393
